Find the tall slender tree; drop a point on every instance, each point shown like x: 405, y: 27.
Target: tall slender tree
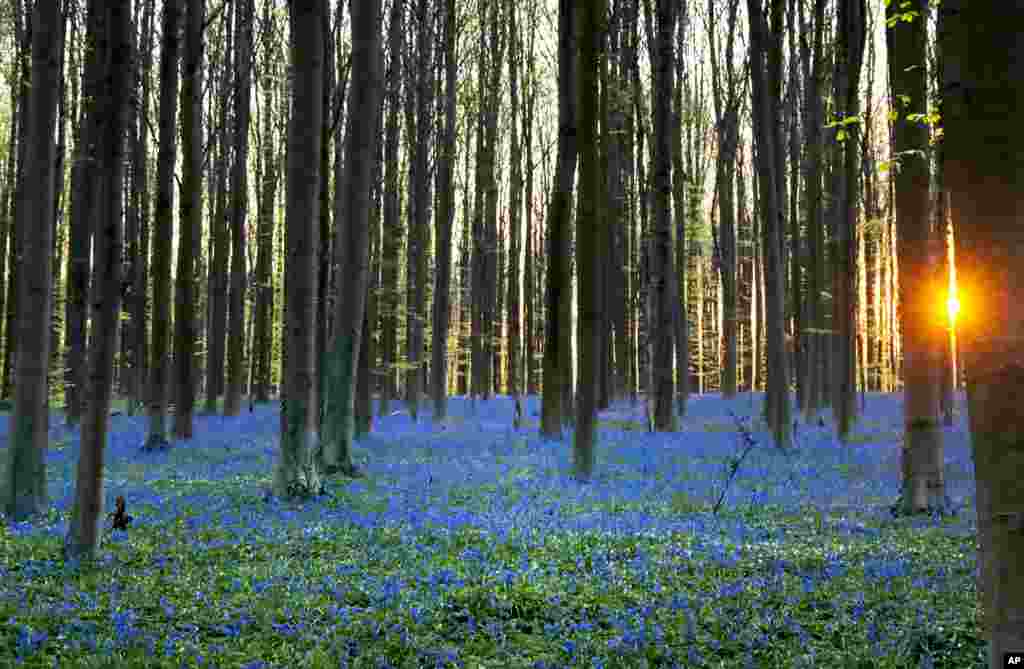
x: 351, y: 251
x: 766, y: 85
x: 25, y: 485
x: 163, y: 233
x: 445, y: 216
x: 297, y: 472
x: 662, y: 259
x: 115, y: 50
x: 558, y: 226
x: 923, y: 477
x: 591, y: 235
x: 850, y: 31
x: 239, y: 206
x: 190, y: 220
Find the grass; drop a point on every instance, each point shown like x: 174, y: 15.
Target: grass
x: 474, y: 547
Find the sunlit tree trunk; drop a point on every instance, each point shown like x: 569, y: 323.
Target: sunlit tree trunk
x: 923, y: 480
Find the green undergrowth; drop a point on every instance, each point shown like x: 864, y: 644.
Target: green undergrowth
x: 408, y: 568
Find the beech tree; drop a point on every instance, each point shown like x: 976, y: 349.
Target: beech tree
x: 558, y: 227
x: 190, y: 220
x: 591, y: 235
x: 922, y: 453
x: 983, y: 69
x: 114, y: 49
x: 297, y: 471
x: 351, y: 251
x: 25, y: 485
x: 445, y: 216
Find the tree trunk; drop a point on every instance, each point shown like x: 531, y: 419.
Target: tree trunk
x: 983, y: 171
x: 25, y: 485
x: 351, y: 252
x: 558, y: 225
x: 220, y: 233
x: 661, y: 256
x: 82, y: 539
x: 297, y: 471
x: 766, y: 65
x: 392, y: 221
x: 443, y: 222
x: 83, y: 185
x: 239, y: 208
x: 591, y: 235
x: 850, y: 27
x: 164, y: 230
x: 190, y: 219
x: 264, y: 303
x: 923, y: 480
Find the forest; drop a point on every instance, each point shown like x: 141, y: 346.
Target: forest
x: 498, y: 333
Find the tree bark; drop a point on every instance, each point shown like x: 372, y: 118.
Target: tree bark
x: 983, y: 66
x: 190, y: 219
x: 239, y: 208
x: 558, y: 224
x: 25, y: 484
x: 297, y: 472
x: 443, y: 222
x: 923, y: 480
x: 351, y: 253
x: 114, y: 47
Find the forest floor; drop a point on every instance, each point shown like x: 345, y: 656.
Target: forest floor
x: 474, y: 547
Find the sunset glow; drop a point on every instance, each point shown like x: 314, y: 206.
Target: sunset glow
x: 952, y: 307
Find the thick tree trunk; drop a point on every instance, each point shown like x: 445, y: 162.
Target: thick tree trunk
x: 983, y: 66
